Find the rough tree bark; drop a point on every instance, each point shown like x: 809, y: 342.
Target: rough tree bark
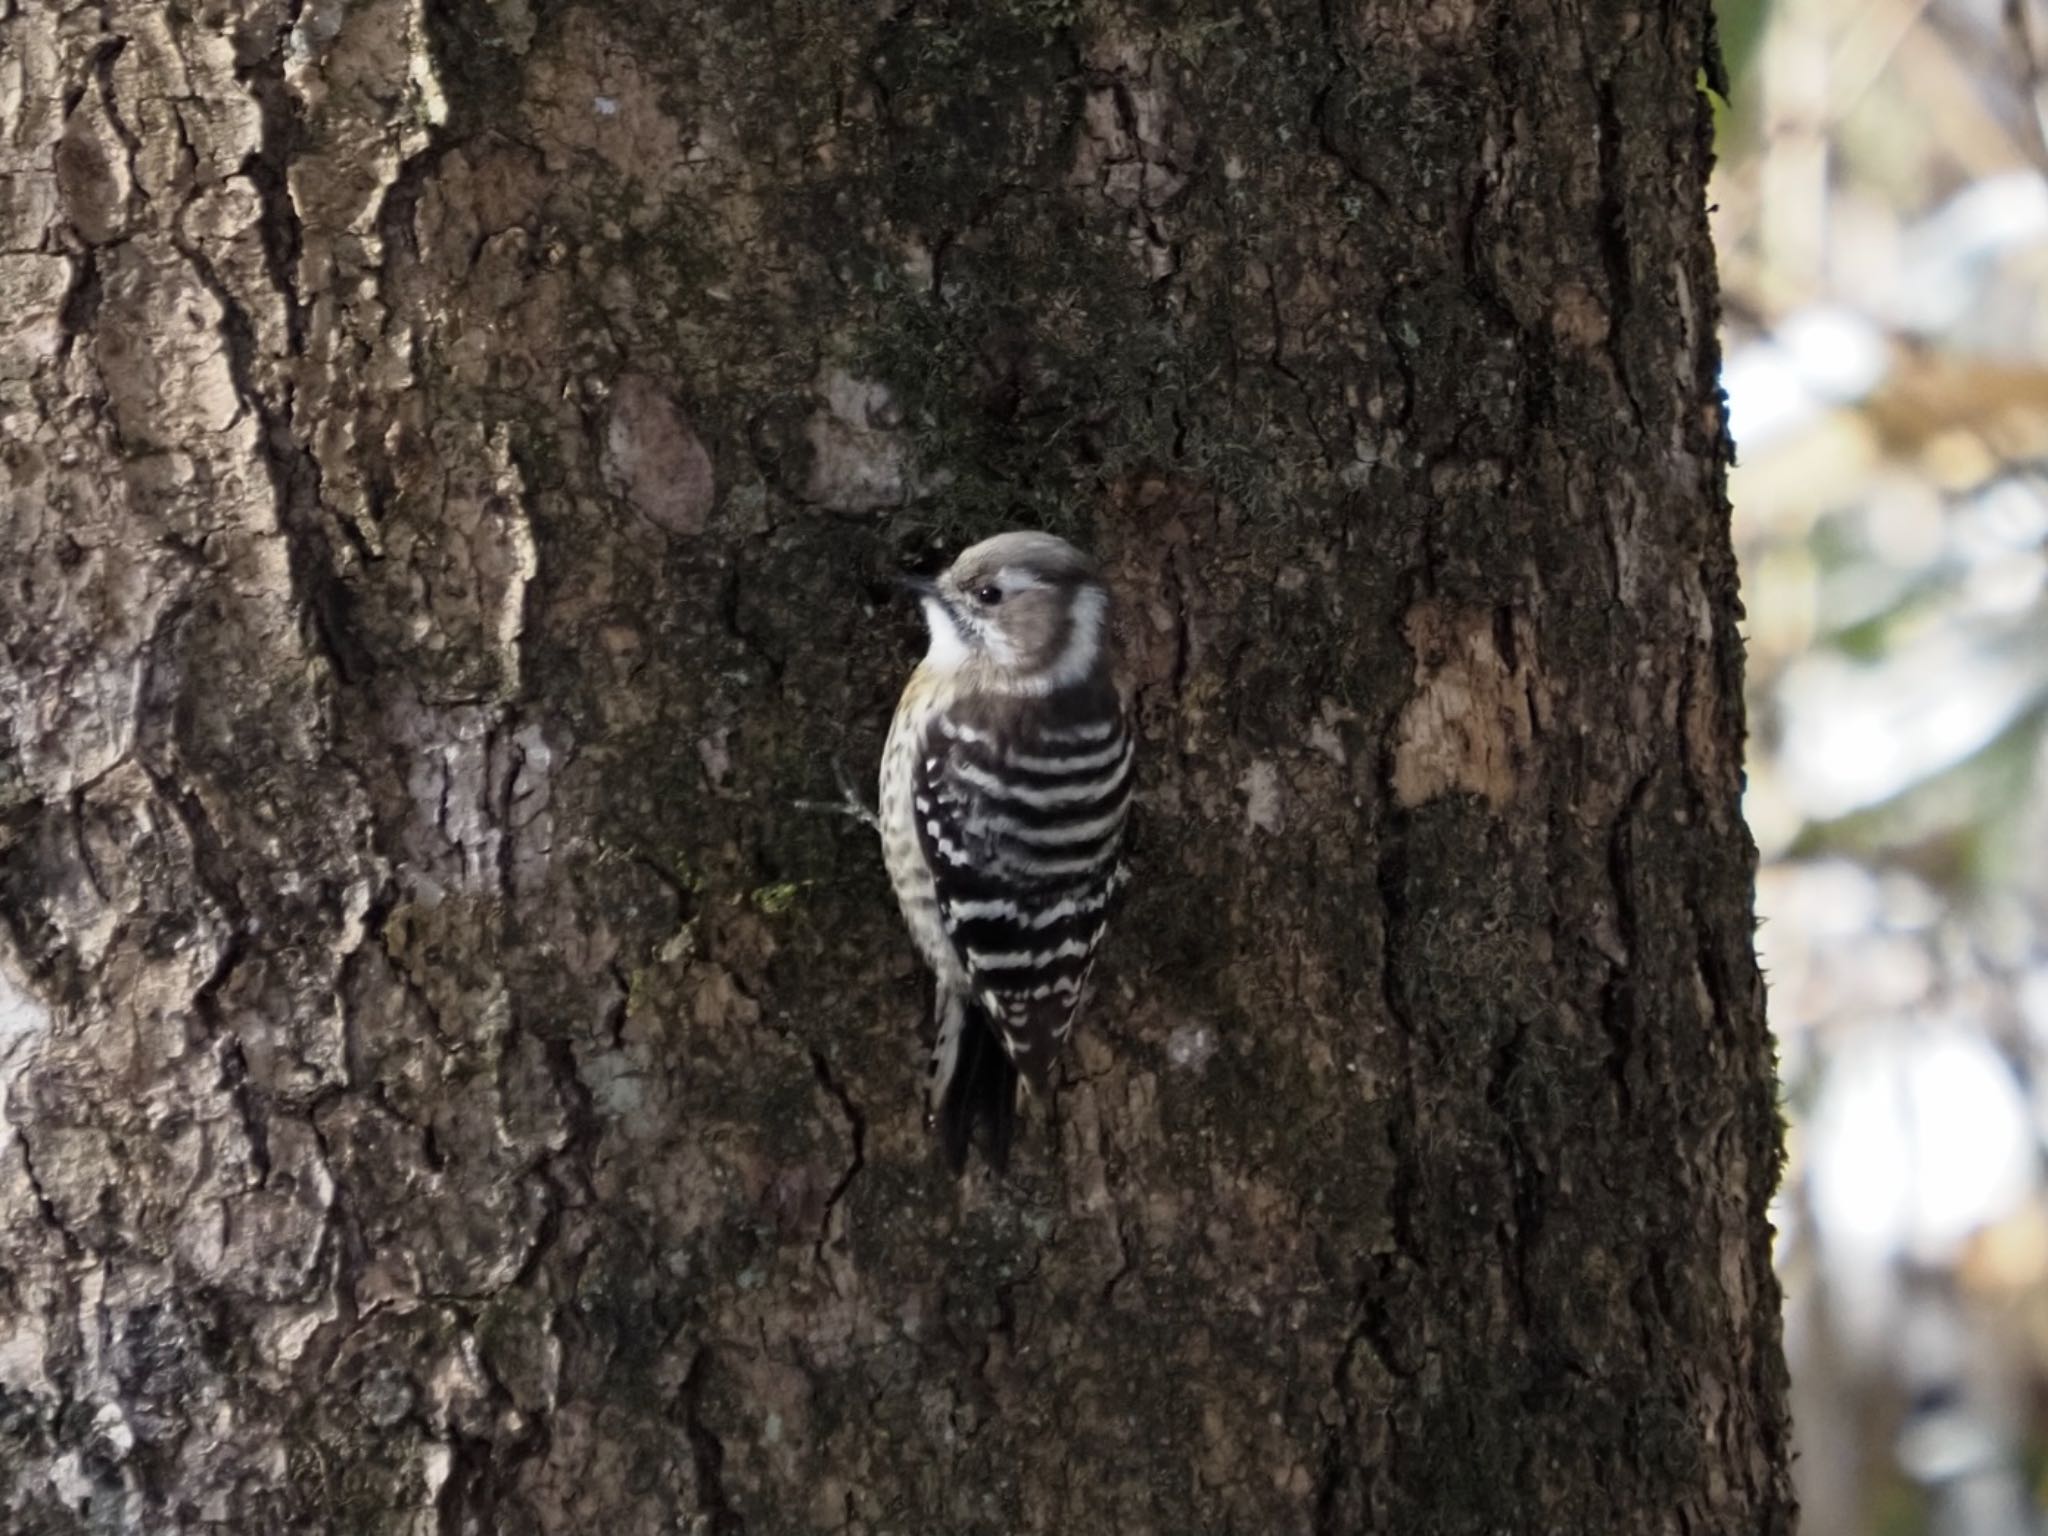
x: 450, y: 451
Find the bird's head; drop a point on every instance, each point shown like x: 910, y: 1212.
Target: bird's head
x: 1027, y: 612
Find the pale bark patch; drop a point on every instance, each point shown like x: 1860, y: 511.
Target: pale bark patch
x: 1469, y: 725
x: 589, y: 99
x: 1190, y: 1045
x: 22, y: 1014
x: 860, y: 461
x: 160, y: 350
x: 1137, y: 148
x: 1716, y: 766
x: 1262, y: 809
x: 654, y: 461
x: 1327, y: 731
x: 1579, y: 319
x: 32, y: 290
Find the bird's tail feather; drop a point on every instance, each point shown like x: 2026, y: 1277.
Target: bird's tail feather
x: 973, y: 1079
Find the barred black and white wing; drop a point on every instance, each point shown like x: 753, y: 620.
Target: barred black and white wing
x: 1020, y: 806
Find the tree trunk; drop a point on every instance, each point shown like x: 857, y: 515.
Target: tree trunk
x: 452, y: 450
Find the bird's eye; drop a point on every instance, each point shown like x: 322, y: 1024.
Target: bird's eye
x: 989, y: 595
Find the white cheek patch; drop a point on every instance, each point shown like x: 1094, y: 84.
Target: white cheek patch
x: 1000, y: 650
x: 949, y: 650
x: 1078, y: 656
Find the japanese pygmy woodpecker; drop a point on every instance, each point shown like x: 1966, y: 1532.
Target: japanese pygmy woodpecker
x: 1005, y: 784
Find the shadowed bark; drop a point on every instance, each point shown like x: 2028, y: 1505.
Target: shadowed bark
x: 451, y: 452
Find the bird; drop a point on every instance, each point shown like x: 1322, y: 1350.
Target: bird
x: 1005, y: 786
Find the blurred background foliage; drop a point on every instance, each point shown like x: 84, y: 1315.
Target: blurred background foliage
x: 1882, y: 220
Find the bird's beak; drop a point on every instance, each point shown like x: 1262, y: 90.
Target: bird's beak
x: 949, y: 636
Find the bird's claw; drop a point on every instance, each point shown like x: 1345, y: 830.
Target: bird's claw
x: 846, y: 789
x: 849, y: 802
